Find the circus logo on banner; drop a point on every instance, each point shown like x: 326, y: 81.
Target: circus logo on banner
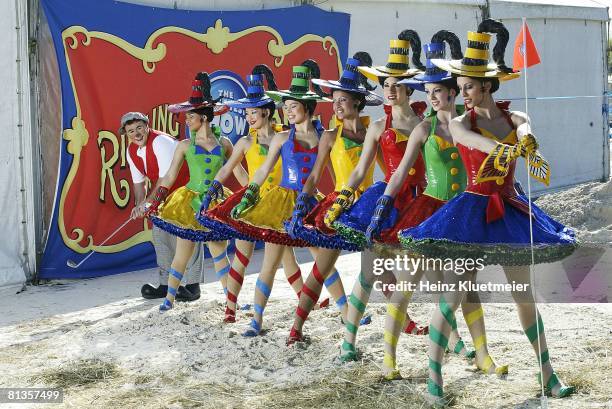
x: 229, y: 86
x: 111, y: 63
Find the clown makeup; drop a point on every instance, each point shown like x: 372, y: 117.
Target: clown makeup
x: 295, y: 111
x: 472, y: 91
x: 193, y: 120
x: 439, y: 96
x: 257, y: 117
x: 394, y: 93
x: 345, y: 105
x: 137, y: 132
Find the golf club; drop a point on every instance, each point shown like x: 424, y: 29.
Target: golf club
x: 72, y: 264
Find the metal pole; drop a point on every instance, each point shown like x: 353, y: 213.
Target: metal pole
x: 25, y: 155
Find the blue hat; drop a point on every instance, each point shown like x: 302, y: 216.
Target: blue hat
x: 256, y: 96
x: 350, y: 82
x: 432, y: 73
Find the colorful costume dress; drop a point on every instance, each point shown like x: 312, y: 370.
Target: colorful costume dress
x: 489, y: 220
x: 177, y: 214
x: 265, y: 220
x: 344, y: 157
x: 218, y: 218
x: 353, y: 223
x: 446, y: 178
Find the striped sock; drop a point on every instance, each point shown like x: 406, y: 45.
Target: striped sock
x: 295, y: 281
x: 334, y: 286
x: 484, y: 361
x: 394, y: 322
x: 262, y: 293
x: 222, y: 267
x: 532, y: 335
x: 235, y: 280
x: 174, y: 281
x: 310, y: 293
x: 443, y: 322
x: 356, y: 307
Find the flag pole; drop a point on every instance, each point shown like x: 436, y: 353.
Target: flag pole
x: 543, y: 398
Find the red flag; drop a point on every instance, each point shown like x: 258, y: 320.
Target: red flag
x: 522, y: 47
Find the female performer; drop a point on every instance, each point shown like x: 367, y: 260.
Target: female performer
x: 390, y: 133
x: 261, y: 214
x: 446, y: 178
x: 343, y: 146
x: 205, y: 153
x: 490, y: 219
x: 254, y: 148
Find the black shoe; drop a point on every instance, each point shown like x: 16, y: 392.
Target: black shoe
x: 190, y: 292
x: 194, y: 289
x: 149, y: 292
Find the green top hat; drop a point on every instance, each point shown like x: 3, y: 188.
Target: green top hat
x: 299, y: 89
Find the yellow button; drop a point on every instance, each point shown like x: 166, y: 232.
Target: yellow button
x: 412, y: 171
x: 455, y: 187
x: 454, y: 155
x: 499, y: 181
x: 454, y: 171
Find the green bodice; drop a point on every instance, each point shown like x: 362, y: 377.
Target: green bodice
x: 446, y: 176
x: 203, y: 167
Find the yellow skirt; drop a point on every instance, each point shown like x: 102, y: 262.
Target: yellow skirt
x: 177, y: 216
x: 274, y: 207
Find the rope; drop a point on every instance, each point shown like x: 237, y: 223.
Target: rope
x: 543, y: 399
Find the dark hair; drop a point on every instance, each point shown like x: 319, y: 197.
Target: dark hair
x: 208, y: 112
x: 263, y: 69
x: 309, y: 105
x: 456, y: 54
x: 360, y: 98
x: 315, y: 72
x: 494, y: 81
x: 271, y: 107
x: 452, y: 40
x: 364, y: 59
x: 415, y: 43
x: 409, y: 91
x: 450, y: 83
x: 502, y: 36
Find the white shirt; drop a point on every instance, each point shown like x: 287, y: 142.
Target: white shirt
x: 163, y: 147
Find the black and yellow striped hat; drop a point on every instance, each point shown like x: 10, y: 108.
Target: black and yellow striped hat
x: 397, y: 63
x: 475, y: 61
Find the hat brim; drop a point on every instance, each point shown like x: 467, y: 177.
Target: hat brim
x: 249, y: 103
x: 374, y: 73
x: 418, y: 82
x: 218, y: 109
x: 372, y: 99
x: 457, y: 67
x: 308, y: 96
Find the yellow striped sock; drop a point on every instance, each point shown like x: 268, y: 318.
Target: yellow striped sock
x: 480, y: 341
x: 474, y: 316
x: 396, y: 314
x: 390, y: 338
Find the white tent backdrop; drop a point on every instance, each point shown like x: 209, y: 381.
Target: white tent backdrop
x: 571, y: 37
x: 17, y: 218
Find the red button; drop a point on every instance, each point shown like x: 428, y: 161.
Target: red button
x: 305, y: 170
x: 304, y: 180
x: 306, y: 158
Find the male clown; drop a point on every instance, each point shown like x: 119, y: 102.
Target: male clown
x: 149, y: 155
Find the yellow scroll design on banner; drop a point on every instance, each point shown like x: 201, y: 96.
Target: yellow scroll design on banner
x: 216, y: 38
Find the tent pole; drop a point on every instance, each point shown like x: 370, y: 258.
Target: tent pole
x: 25, y: 143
